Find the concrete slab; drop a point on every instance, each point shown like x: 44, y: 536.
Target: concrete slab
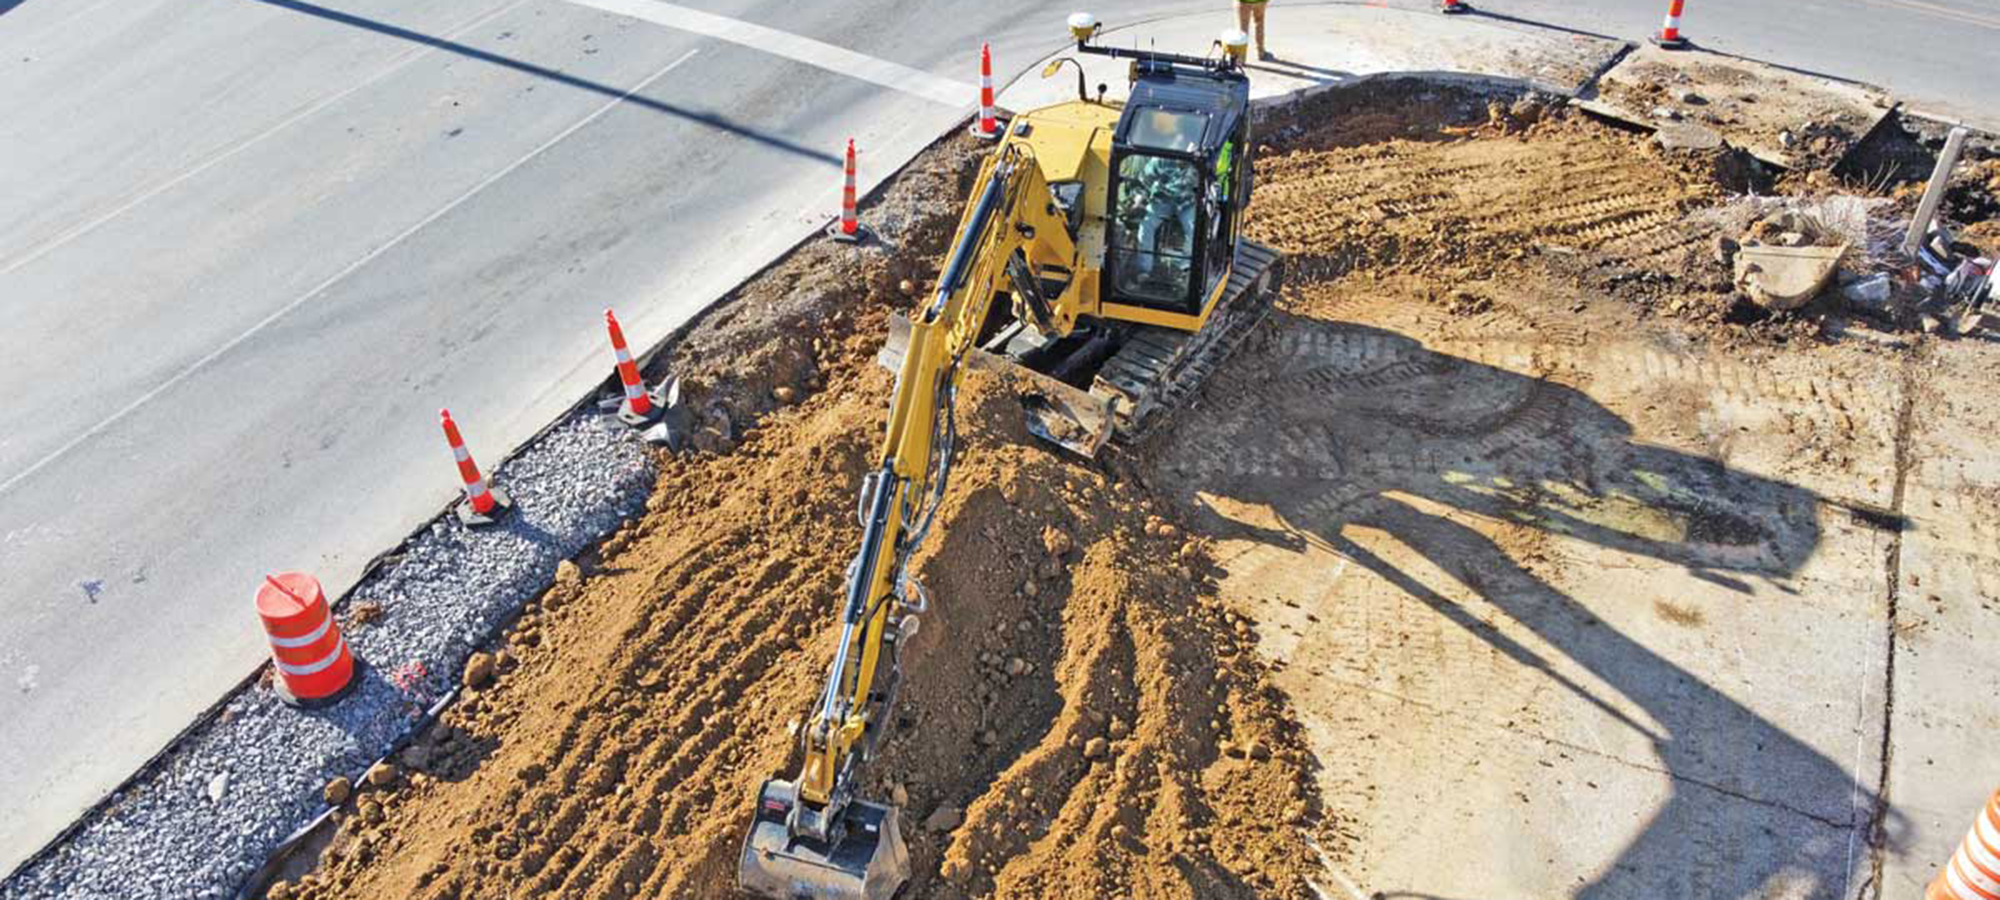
x: 1942, y: 765
x: 1782, y: 116
x: 1340, y: 44
x: 1785, y: 277
x: 1566, y: 660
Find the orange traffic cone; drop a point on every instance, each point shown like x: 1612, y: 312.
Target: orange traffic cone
x: 1454, y: 7
x: 483, y: 505
x: 1670, y: 37
x: 313, y: 665
x: 988, y: 126
x: 1974, y: 871
x: 849, y: 229
x: 639, y: 408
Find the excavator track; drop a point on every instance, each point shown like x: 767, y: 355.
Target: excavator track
x: 1156, y: 369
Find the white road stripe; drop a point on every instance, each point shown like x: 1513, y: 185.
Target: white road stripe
x: 337, y: 277
x: 841, y: 60
x: 44, y: 248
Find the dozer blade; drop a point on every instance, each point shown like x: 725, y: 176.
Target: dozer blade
x: 868, y: 862
x: 1062, y: 414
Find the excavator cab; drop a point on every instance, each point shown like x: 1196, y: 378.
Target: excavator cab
x: 1179, y: 176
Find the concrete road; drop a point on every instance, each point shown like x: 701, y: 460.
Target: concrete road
x: 247, y: 248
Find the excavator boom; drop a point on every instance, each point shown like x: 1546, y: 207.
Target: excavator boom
x: 1099, y: 263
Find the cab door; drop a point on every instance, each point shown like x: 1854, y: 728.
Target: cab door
x: 1155, y: 258
x: 1224, y: 194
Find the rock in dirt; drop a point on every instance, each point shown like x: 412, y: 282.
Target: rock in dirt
x: 784, y: 393
x: 365, y: 612
x: 382, y: 774
x: 216, y: 787
x: 944, y: 818
x: 1056, y: 541
x: 337, y: 791
x: 1870, y: 295
x: 478, y: 670
x: 1095, y: 748
x: 1687, y: 136
x: 415, y: 757
x: 899, y: 795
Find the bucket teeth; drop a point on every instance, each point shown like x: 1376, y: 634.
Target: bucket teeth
x: 867, y: 860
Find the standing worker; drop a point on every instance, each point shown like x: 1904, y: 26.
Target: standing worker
x: 1248, y: 11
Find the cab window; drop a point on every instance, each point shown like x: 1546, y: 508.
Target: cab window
x: 1153, y: 227
x: 1166, y: 129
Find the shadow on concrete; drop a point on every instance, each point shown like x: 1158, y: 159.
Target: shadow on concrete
x: 1343, y: 426
x: 1278, y: 65
x: 708, y: 119
x: 1482, y: 12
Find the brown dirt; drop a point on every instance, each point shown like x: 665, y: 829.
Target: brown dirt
x: 620, y: 754
x: 639, y: 708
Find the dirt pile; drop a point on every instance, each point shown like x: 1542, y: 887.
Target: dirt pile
x: 1080, y: 717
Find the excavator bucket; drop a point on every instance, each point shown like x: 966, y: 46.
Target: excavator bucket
x: 1060, y: 413
x: 868, y: 862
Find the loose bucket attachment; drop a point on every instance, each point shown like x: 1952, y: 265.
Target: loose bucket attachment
x: 869, y: 861
x: 1062, y: 414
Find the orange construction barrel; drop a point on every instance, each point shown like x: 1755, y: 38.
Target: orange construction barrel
x: 1974, y: 871
x: 314, y: 667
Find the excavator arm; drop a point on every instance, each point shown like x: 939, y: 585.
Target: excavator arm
x: 812, y: 837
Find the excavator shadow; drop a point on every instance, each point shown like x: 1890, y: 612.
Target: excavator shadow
x: 1459, y: 484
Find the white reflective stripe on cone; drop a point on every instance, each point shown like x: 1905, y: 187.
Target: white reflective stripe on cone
x: 307, y: 639
x: 1963, y: 881
x: 313, y: 668
x: 476, y: 488
x: 460, y: 453
x: 1978, y: 850
x: 633, y: 392
x: 623, y: 356
x: 1673, y: 23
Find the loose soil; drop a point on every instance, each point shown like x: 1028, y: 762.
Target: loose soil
x: 1082, y: 715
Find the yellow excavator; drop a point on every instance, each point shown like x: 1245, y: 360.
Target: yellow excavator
x: 1101, y: 261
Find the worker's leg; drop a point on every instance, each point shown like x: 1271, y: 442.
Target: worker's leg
x: 1257, y: 14
x: 1243, y: 17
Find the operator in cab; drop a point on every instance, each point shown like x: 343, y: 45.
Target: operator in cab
x: 1159, y: 190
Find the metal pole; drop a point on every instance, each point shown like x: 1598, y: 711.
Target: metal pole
x: 1934, y: 192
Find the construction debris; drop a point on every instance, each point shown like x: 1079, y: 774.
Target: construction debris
x: 1785, y: 277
